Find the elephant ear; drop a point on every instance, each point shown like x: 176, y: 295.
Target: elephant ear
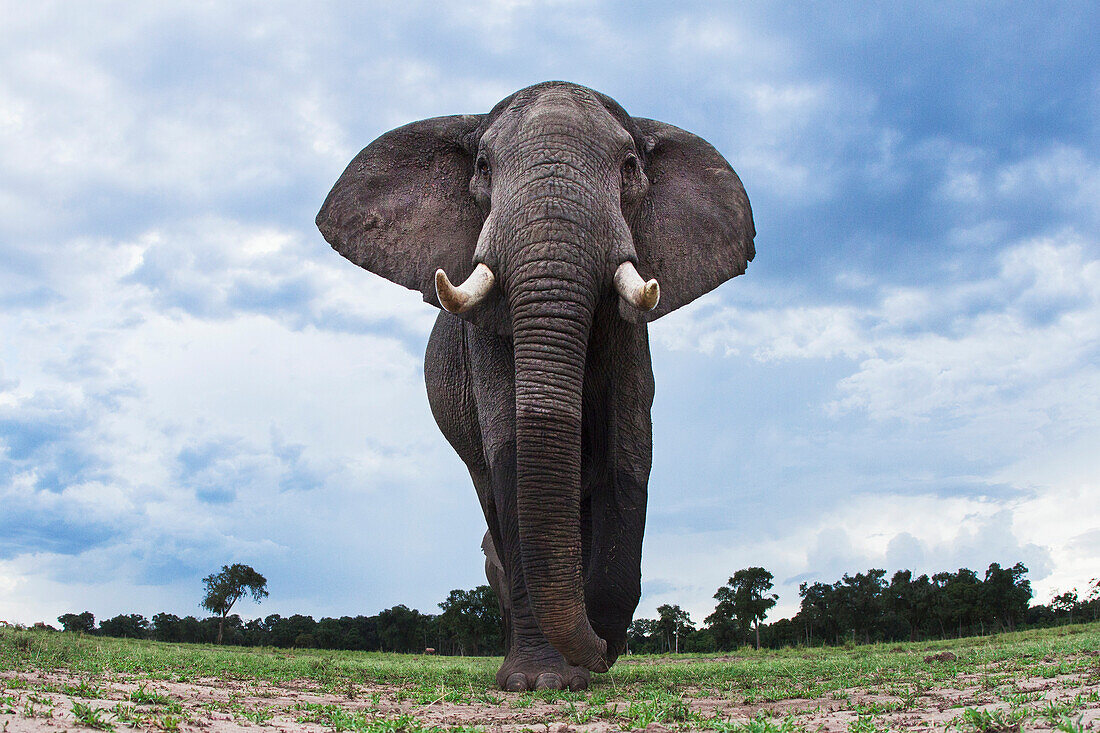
x: 403, y: 208
x: 694, y: 230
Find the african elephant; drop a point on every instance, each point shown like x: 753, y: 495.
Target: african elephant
x: 560, y: 213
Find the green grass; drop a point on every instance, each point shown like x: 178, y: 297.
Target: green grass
x: 91, y: 717
x: 769, y: 674
x: 143, y: 696
x: 631, y: 696
x: 34, y: 649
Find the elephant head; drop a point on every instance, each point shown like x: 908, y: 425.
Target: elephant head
x: 554, y: 202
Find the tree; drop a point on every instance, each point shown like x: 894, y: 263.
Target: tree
x: 673, y: 623
x: 125, y: 626
x: 861, y: 596
x: 229, y: 586
x: 1092, y: 602
x: 82, y: 622
x: 744, y: 595
x: 471, y: 618
x: 907, y: 599
x: 723, y: 623
x: 818, y: 611
x: 1006, y: 593
x: 167, y: 627
x: 1065, y: 603
x: 642, y: 636
x: 402, y: 629
x: 700, y: 640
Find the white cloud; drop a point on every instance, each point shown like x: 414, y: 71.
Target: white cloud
x: 736, y: 41
x: 801, y: 332
x: 1061, y: 177
x: 1062, y: 172
x: 999, y: 358
x: 1026, y: 335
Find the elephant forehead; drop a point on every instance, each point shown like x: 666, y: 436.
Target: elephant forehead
x: 567, y: 112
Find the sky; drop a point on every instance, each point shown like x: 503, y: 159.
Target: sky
x: 908, y: 376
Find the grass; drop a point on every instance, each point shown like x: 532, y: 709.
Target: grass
x: 91, y: 717
x: 143, y: 696
x: 870, y: 682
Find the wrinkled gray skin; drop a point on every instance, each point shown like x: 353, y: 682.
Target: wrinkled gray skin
x: 545, y: 389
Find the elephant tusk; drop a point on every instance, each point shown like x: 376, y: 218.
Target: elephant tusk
x: 467, y: 295
x: 643, y: 295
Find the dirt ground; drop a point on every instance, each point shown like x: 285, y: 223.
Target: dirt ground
x: 45, y: 701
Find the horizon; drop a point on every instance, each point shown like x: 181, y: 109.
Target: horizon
x: 1083, y: 593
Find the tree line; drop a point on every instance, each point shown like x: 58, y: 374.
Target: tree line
x: 469, y: 624
x: 859, y: 608
x: 865, y: 608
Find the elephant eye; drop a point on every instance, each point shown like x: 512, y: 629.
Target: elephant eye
x: 630, y: 167
x: 482, y: 166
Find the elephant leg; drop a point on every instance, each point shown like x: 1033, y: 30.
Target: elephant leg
x: 498, y: 581
x: 531, y: 662
x: 619, y: 446
x: 449, y: 382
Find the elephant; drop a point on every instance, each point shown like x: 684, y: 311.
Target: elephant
x: 570, y: 226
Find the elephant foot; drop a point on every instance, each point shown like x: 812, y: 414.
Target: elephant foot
x: 540, y: 667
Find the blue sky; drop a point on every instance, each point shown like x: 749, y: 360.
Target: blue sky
x: 907, y: 376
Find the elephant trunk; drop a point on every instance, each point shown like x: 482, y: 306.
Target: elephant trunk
x: 552, y: 302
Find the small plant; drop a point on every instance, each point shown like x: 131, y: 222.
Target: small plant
x: 85, y: 689
x: 909, y: 696
x: 334, y: 717
x: 524, y: 701
x: 662, y: 708
x: 577, y: 715
x: 91, y: 717
x: 1068, y: 725
x: 30, y: 711
x: 142, y: 696
x: 487, y: 697
x: 260, y: 716
x: 876, y: 708
x: 127, y: 714
x: 865, y: 723
x: 168, y: 723
x: 1055, y: 711
x: 760, y: 724
x: 991, y: 721
x: 1021, y: 698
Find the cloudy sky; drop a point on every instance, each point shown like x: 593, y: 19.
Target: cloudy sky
x: 908, y: 376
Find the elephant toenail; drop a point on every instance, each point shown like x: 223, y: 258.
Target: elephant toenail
x: 578, y: 683
x: 549, y: 681
x: 517, y: 682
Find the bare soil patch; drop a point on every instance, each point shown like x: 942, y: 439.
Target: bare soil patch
x: 59, y: 700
